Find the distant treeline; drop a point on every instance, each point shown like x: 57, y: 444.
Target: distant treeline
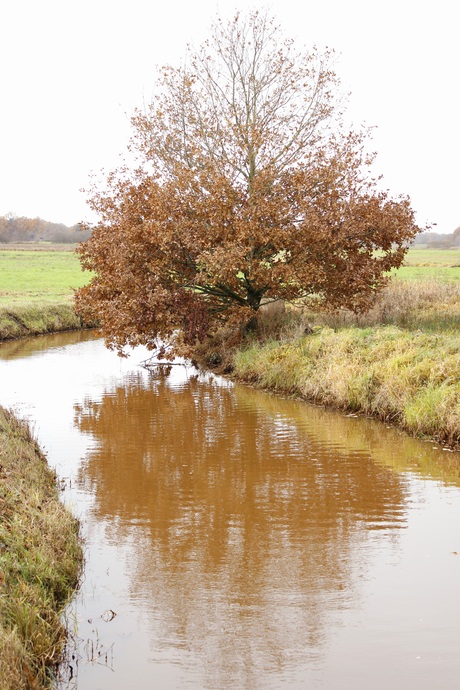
x: 437, y: 240
x: 20, y: 229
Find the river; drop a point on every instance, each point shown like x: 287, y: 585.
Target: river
x: 235, y: 539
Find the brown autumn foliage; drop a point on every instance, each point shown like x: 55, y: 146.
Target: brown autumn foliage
x: 246, y: 187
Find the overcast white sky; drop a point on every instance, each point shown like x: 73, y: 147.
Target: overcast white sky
x: 71, y: 72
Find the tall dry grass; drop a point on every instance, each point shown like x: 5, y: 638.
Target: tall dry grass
x: 431, y: 306
x: 428, y: 304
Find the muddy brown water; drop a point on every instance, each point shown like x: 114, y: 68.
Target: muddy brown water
x: 235, y: 539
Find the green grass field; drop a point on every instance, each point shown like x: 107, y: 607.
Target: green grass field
x: 28, y: 276
x: 431, y: 264
x: 433, y: 257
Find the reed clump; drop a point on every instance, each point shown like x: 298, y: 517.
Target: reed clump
x: 40, y: 561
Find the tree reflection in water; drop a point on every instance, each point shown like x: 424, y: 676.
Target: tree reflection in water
x: 248, y: 519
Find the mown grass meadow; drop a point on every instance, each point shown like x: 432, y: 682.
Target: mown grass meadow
x: 44, y: 275
x: 442, y: 265
x: 42, y: 272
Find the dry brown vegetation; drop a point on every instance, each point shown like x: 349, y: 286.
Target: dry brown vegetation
x: 426, y: 304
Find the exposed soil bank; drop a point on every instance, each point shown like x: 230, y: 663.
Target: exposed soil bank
x: 409, y: 378
x: 40, y: 561
x: 38, y: 318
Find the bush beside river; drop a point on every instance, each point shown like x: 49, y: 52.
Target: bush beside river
x: 40, y: 561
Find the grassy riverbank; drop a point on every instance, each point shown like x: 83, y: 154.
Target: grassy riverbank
x: 408, y: 378
x: 40, y: 561
x: 36, y: 318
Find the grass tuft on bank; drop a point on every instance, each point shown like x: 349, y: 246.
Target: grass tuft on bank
x: 40, y: 561
x: 410, y: 378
